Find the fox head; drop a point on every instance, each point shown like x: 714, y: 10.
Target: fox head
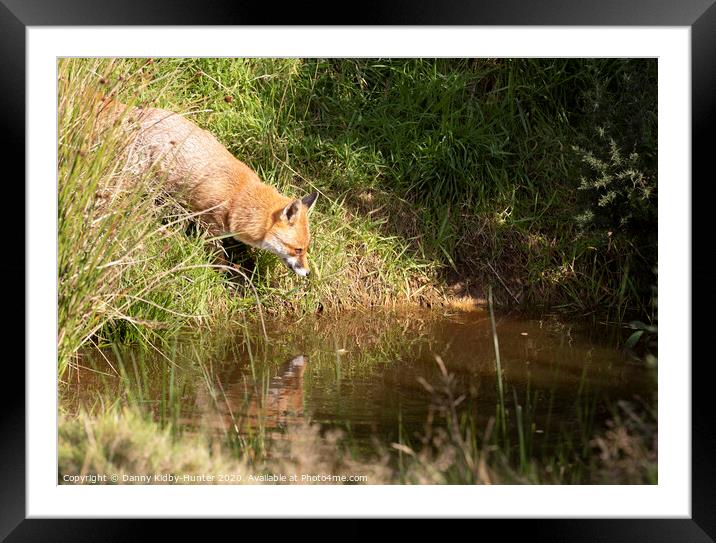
x: 289, y: 236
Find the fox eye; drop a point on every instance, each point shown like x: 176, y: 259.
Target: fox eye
x: 299, y: 251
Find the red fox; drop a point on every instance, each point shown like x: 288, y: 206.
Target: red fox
x: 210, y: 181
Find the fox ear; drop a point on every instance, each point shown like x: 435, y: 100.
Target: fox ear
x: 309, y: 200
x: 290, y: 211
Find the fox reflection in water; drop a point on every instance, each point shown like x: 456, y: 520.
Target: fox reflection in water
x: 246, y: 405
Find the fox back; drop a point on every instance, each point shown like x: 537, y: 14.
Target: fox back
x: 227, y: 195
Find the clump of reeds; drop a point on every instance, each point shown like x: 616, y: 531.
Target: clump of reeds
x: 125, y: 265
x: 124, y: 442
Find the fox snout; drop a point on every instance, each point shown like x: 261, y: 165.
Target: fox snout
x: 294, y: 264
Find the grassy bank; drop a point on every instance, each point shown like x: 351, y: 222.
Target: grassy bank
x: 437, y: 178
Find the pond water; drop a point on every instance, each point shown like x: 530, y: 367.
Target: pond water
x: 371, y: 374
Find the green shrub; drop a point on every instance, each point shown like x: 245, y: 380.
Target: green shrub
x: 620, y: 196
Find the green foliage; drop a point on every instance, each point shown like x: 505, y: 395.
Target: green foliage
x: 617, y: 147
x: 619, y: 195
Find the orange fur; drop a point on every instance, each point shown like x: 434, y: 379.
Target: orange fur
x: 198, y: 170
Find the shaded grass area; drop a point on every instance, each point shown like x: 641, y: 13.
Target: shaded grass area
x: 520, y: 172
x: 437, y: 177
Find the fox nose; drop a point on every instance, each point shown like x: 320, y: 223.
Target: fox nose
x: 296, y: 268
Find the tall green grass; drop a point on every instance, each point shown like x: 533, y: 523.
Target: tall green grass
x: 126, y: 269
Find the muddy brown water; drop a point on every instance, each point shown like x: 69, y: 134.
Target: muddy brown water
x: 369, y: 374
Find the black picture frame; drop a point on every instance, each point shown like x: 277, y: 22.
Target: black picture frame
x: 16, y: 15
